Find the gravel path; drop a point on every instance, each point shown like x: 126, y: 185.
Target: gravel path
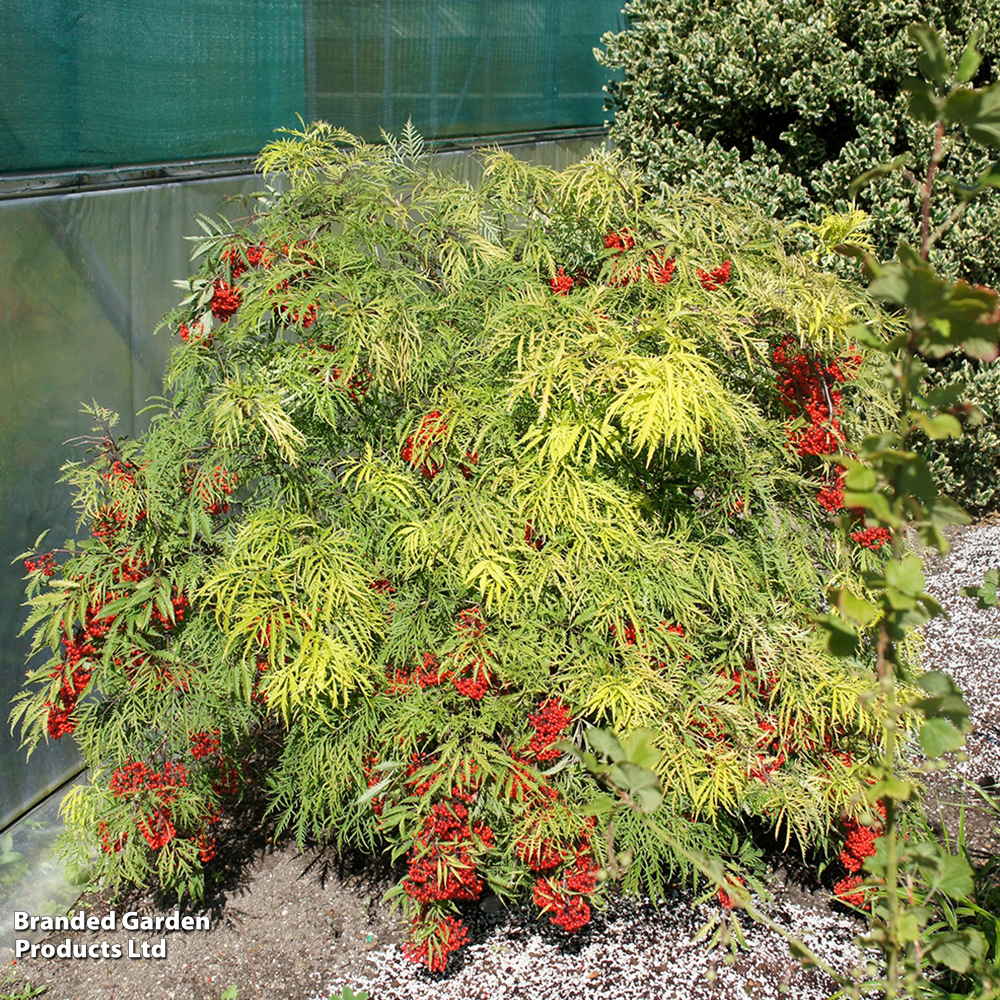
x: 631, y: 953
x: 967, y: 643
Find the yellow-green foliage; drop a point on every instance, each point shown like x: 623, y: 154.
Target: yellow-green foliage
x: 419, y: 426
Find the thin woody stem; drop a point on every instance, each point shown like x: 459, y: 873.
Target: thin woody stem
x: 925, y: 223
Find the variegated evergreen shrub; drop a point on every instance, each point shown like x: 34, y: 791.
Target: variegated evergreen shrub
x: 446, y: 474
x: 781, y: 104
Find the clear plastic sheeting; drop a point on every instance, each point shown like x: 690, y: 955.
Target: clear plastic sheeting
x: 108, y: 82
x: 457, y: 67
x: 31, y: 879
x: 85, y: 281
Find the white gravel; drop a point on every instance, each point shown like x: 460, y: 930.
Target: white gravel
x: 966, y: 644
x: 631, y: 953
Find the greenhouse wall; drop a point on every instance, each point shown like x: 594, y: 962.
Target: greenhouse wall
x: 86, y: 278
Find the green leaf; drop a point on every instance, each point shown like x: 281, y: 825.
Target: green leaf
x: 957, y: 950
x: 841, y: 638
x: 632, y: 777
x: 853, y: 607
x: 860, y: 478
x: 945, y: 701
x: 604, y: 742
x: 906, y: 575
x: 348, y: 994
x: 649, y: 799
x: 940, y: 427
x: 924, y: 106
x: 933, y: 61
x: 944, y: 314
x: 890, y: 788
x: 640, y: 748
x: 229, y: 993
x: 955, y: 878
x: 892, y: 166
x: 987, y: 593
x: 938, y: 737
x: 874, y: 501
x: 969, y: 62
x: 946, y: 395
x: 907, y: 927
x: 600, y: 805
x: 978, y: 111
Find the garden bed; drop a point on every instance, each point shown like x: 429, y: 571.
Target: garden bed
x: 295, y: 925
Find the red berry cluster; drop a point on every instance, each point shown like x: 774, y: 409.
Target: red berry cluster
x: 212, y: 489
x: 226, y: 299
x: 241, y: 258
x: 180, y: 606
x: 442, y: 862
x: 564, y: 868
x: 562, y: 896
x: 122, y: 473
x: 831, y: 494
x: 872, y: 538
x: 282, y: 308
x: 417, y: 447
x: 859, y: 843
x: 220, y: 481
x: 205, y: 744
x: 107, y: 521
x: 770, y: 755
x: 290, y: 315
x: 45, y: 564
x: 808, y: 389
x: 630, y: 637
x: 81, y: 645
x: 661, y: 267
x: 468, y: 672
x: 562, y: 283
x: 619, y: 241
x: 715, y: 278
x: 137, y: 777
x: 442, y: 867
x: 108, y: 845
x: 550, y: 723
x: 195, y: 334
x: 153, y: 794
x: 778, y: 739
x: 73, y: 680
x: 471, y: 623
x: 74, y: 673
x: 355, y: 386
x: 466, y: 470
x: 437, y: 942
x: 725, y: 900
x: 807, y: 386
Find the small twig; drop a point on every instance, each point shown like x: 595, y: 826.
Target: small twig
x: 956, y: 214
x: 925, y: 223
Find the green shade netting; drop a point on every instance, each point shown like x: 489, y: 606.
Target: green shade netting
x: 109, y: 83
